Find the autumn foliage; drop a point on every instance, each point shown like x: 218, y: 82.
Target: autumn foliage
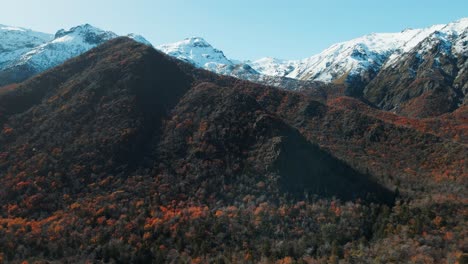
x: 125, y: 155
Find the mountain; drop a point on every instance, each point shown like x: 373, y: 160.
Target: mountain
x: 38, y: 52
x: 143, y: 119
x: 273, y: 66
x: 427, y: 80
x: 198, y: 52
x: 124, y: 154
x: 392, y: 71
x: 358, y: 56
x: 201, y: 54
x: 369, y: 67
x: 416, y: 72
x: 16, y: 41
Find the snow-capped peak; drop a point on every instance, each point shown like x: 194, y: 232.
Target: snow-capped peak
x: 15, y: 41
x: 85, y: 33
x: 140, y: 39
x: 196, y: 42
x: 42, y: 51
x: 66, y: 44
x: 457, y: 27
x: 455, y: 31
x: 357, y: 56
x: 369, y: 52
x: 198, y: 52
x: 273, y: 66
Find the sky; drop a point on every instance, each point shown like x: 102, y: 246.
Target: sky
x: 242, y: 29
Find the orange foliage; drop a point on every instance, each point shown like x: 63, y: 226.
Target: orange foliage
x: 101, y: 220
x: 7, y: 130
x: 147, y: 236
x: 22, y: 184
x: 219, y: 213
x: 285, y: 260
x: 56, y: 151
x: 248, y: 257
x: 203, y: 126
x: 448, y: 235
x: 197, y: 260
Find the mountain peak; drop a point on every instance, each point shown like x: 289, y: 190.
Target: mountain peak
x: 196, y: 39
x: 139, y: 38
x: 35, y: 51
x: 196, y: 42
x: 365, y: 54
x: 457, y: 27
x: 197, y: 51
x: 90, y: 33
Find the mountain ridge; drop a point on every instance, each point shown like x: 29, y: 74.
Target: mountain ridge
x: 54, y: 50
x: 364, y: 65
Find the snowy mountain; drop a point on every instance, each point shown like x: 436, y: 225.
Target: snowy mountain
x: 362, y: 56
x: 359, y: 55
x: 428, y: 79
x: 15, y: 41
x: 363, y: 64
x: 415, y: 72
x: 355, y: 62
x: 199, y: 52
x: 25, y: 52
x: 273, y: 66
x: 65, y: 45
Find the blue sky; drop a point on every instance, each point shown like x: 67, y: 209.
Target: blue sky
x: 243, y: 29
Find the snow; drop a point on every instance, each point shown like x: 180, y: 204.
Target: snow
x: 66, y: 45
x: 459, y: 29
x: 140, y: 39
x: 199, y: 52
x: 356, y: 56
x: 42, y: 51
x: 273, y: 66
x: 15, y: 41
x: 367, y: 53
x: 373, y: 52
x: 9, y: 28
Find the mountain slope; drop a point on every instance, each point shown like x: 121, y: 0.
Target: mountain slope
x: 356, y: 63
x: 119, y: 119
x: 430, y: 79
x: 125, y: 154
x: 199, y: 53
x: 357, y: 57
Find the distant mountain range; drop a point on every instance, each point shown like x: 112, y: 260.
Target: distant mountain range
x: 377, y: 68
x: 25, y: 52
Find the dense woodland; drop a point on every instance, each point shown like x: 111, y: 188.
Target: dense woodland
x: 124, y: 155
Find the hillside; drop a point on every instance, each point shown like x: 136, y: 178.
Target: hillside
x: 125, y: 154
